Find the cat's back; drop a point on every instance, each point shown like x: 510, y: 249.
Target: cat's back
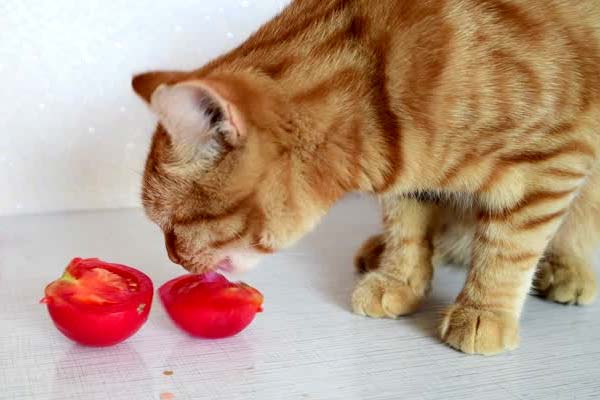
x: 437, y: 56
x: 474, y: 64
x: 526, y: 15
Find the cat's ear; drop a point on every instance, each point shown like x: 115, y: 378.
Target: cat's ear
x: 145, y: 84
x: 194, y: 113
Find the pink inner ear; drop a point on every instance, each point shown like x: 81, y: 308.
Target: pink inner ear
x: 233, y: 116
x: 187, y: 111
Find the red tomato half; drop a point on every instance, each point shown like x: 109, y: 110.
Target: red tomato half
x: 210, y: 306
x: 96, y: 303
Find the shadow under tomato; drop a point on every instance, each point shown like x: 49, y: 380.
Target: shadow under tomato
x: 227, y: 361
x: 113, y: 373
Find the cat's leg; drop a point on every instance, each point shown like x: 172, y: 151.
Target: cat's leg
x: 507, y: 247
x: 566, y: 278
x: 404, y: 275
x: 453, y: 232
x: 565, y: 274
x: 368, y: 256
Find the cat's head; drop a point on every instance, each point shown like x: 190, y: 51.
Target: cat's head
x: 221, y: 179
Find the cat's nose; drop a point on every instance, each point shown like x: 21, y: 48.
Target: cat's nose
x: 171, y: 249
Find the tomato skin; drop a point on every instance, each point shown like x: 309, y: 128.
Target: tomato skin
x: 99, y: 324
x: 209, y: 306
x: 212, y: 324
x: 97, y: 329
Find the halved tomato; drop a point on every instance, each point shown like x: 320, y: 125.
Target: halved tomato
x: 96, y: 303
x: 209, y: 305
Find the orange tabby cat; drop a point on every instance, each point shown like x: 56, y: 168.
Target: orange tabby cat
x: 477, y: 122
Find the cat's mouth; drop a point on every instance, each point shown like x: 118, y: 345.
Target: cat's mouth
x: 225, y: 265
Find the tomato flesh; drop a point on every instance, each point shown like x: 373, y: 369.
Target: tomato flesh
x: 210, y: 306
x: 96, y: 303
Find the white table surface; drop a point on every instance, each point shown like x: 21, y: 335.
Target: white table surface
x: 306, y: 345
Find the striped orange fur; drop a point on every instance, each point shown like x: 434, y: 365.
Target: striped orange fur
x: 477, y: 123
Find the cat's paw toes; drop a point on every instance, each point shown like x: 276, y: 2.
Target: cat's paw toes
x: 367, y: 257
x: 565, y: 281
x: 381, y: 296
x: 476, y: 331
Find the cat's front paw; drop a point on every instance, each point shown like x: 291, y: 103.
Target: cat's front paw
x: 476, y: 331
x: 565, y: 281
x: 378, y: 295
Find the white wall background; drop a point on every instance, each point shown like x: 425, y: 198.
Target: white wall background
x: 73, y: 135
